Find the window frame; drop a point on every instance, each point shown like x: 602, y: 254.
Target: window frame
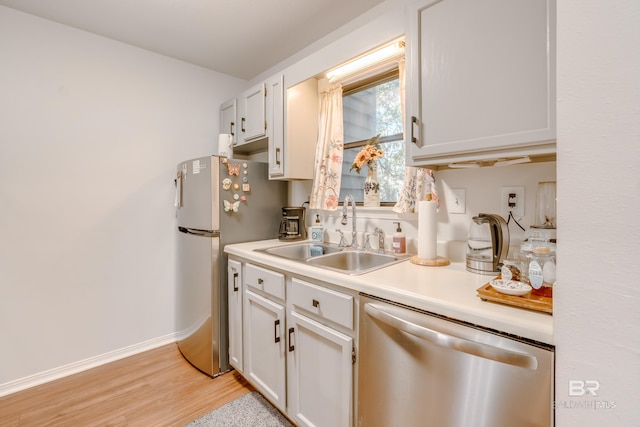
x: 364, y: 84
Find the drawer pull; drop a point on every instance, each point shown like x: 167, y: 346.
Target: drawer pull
x: 260, y: 281
x: 316, y: 303
x: 276, y: 323
x: 235, y: 282
x: 291, y: 346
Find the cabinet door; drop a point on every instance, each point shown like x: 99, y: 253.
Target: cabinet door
x: 481, y: 80
x: 320, y: 372
x: 301, y: 130
x: 275, y: 125
x: 264, y: 347
x: 228, y: 118
x: 253, y: 121
x: 234, y: 269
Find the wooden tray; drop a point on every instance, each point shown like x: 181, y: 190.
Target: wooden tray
x: 528, y: 301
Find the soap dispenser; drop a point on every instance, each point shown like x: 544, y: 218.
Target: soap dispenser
x: 399, y: 241
x: 317, y: 232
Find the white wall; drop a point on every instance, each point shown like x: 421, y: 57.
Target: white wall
x: 90, y: 133
x: 597, y: 300
x: 483, y: 189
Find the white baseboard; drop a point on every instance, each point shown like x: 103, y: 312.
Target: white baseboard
x: 83, y: 365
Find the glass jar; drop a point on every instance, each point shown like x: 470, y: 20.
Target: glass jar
x: 542, y: 271
x: 512, y: 269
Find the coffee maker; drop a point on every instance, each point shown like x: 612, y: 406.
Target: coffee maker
x: 292, y: 225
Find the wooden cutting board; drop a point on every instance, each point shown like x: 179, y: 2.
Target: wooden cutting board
x: 528, y: 301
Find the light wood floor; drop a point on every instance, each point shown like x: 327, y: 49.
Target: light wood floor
x: 155, y: 388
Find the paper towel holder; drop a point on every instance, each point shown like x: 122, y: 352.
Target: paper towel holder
x: 438, y: 261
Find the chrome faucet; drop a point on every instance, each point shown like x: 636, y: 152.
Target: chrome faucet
x: 380, y: 233
x: 354, y: 234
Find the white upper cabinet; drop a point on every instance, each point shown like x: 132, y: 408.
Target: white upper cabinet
x: 253, y: 120
x: 228, y: 118
x: 275, y: 120
x: 293, y: 156
x: 480, y: 80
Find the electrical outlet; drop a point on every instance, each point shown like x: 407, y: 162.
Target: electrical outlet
x: 512, y: 201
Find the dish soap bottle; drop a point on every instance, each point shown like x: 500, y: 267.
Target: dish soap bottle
x: 399, y: 241
x: 317, y: 232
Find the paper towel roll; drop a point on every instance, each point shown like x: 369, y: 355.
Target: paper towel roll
x: 427, y: 230
x: 225, y: 145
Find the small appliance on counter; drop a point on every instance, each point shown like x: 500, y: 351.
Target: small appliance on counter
x: 292, y: 225
x: 488, y: 244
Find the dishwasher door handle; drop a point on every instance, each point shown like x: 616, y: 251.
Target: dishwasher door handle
x: 486, y: 351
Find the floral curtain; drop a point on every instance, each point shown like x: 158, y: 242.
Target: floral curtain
x: 328, y: 161
x: 419, y: 183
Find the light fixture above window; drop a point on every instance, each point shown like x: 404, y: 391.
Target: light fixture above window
x: 376, y: 58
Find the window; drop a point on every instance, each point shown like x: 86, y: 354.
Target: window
x: 372, y: 107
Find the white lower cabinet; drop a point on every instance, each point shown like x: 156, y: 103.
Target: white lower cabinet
x: 234, y: 291
x: 263, y: 331
x: 320, y: 373
x: 298, y: 345
x: 264, y: 347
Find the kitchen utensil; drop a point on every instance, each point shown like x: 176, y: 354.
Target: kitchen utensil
x: 488, y: 244
x: 510, y: 287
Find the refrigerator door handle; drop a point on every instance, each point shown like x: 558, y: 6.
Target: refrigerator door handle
x: 178, y: 182
x: 197, y: 232
x: 486, y: 351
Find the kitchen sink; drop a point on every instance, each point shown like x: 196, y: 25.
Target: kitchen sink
x: 355, y: 262
x: 302, y: 251
x: 336, y: 258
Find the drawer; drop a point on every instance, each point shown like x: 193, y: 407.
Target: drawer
x: 265, y: 280
x: 326, y: 303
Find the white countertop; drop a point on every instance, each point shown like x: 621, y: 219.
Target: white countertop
x: 449, y: 291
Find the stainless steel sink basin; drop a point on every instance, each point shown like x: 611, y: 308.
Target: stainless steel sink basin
x: 302, y: 251
x: 333, y: 257
x: 355, y: 262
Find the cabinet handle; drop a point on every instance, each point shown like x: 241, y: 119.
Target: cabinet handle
x: 242, y: 125
x: 275, y: 330
x: 414, y: 124
x: 291, y: 346
x: 231, y: 129
x: 235, y: 282
x: 315, y: 303
x: 260, y: 281
x: 277, y: 156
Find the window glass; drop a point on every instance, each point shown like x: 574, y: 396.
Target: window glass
x: 369, y: 111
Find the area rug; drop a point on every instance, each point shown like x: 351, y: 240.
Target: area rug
x: 249, y: 410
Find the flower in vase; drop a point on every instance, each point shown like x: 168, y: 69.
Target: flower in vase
x: 368, y: 155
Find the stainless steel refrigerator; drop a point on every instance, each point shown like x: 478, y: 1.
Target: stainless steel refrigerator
x: 218, y: 201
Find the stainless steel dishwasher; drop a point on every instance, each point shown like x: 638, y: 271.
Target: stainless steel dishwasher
x: 419, y: 369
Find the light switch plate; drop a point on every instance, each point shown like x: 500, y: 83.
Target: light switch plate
x: 456, y: 202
